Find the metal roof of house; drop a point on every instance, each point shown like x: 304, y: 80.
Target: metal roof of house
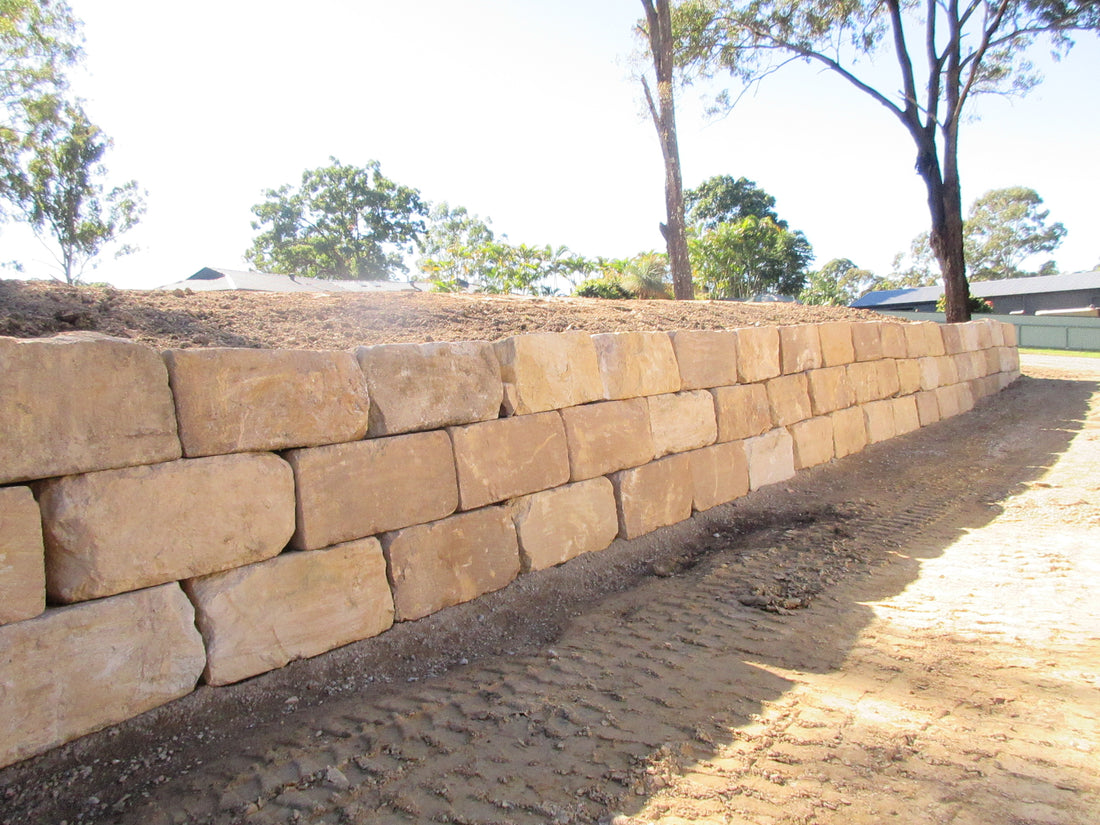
x: 209, y: 279
x: 984, y: 289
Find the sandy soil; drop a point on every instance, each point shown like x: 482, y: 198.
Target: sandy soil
x: 907, y: 635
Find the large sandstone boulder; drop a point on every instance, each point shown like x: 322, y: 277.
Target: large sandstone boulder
x: 789, y: 399
x: 836, y: 343
x: 829, y: 389
x: 428, y: 386
x: 707, y: 358
x: 350, y: 491
x: 448, y: 562
x: 548, y: 371
x: 771, y: 458
x: 867, y: 340
x: 742, y: 411
x: 654, y: 495
x: 719, y: 474
x: 849, y: 431
x: 261, y: 616
x: 812, y: 441
x: 22, y: 564
x: 82, y: 402
x: 757, y: 354
x: 799, y: 348
x: 119, y: 530
x: 634, y: 364
x: 607, y: 437
x: 557, y: 525
x: 77, y: 669
x: 249, y: 400
x: 509, y: 457
x: 682, y: 421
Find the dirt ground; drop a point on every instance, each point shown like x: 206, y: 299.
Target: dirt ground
x: 906, y: 635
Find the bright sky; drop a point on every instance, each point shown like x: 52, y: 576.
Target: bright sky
x: 524, y: 112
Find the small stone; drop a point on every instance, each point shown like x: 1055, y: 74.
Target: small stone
x: 335, y: 778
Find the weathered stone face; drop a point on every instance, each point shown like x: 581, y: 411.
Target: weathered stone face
x: 836, y: 343
x: 556, y: 525
x: 829, y: 390
x: 509, y: 457
x: 893, y: 340
x: 799, y: 348
x: 771, y: 458
x: 929, y: 373
x: 607, y: 437
x: 928, y: 407
x: 448, y: 562
x: 74, y: 670
x: 743, y: 411
x: 682, y: 421
x: 1008, y: 359
x: 548, y: 371
x: 719, y: 474
x: 119, y: 530
x: 635, y: 364
x: 350, y: 491
x: 867, y: 341
x: 22, y: 564
x: 880, y: 420
x: 866, y: 380
x: 417, y: 387
x: 909, y: 376
x: 757, y: 354
x: 906, y: 416
x: 789, y: 399
x: 953, y: 342
x: 82, y: 402
x: 248, y: 400
x: 813, y: 442
x: 888, y: 382
x: 259, y: 617
x: 707, y: 358
x: 654, y: 495
x: 849, y: 431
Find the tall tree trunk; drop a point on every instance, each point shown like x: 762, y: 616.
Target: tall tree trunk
x: 663, y: 112
x: 946, y: 236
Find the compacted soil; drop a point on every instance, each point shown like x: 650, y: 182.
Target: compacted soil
x: 907, y: 635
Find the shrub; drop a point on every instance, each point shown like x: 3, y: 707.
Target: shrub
x: 601, y: 288
x: 977, y: 305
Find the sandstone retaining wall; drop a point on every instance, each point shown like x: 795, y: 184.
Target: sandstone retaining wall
x: 211, y: 515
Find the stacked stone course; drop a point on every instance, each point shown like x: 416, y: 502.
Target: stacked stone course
x: 214, y: 514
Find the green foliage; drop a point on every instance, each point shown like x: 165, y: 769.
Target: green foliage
x: 977, y: 305
x: 721, y: 199
x: 750, y: 257
x: 838, y: 283
x: 607, y: 286
x: 56, y: 185
x: 647, y: 276
x: 344, y: 222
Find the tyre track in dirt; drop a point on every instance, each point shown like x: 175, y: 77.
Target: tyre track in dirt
x: 750, y: 677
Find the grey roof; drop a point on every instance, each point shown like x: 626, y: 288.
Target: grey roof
x: 209, y: 279
x: 985, y: 289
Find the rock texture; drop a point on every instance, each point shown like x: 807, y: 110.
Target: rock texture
x: 757, y: 354
x: 682, y: 421
x: 119, y: 530
x: 82, y: 402
x: 556, y: 525
x: 607, y: 437
x: 707, y: 358
x: 654, y: 495
x: 771, y: 458
x: 719, y: 474
x: 22, y: 560
x: 77, y: 669
x: 261, y: 616
x: 742, y: 411
x: 634, y: 364
x: 427, y: 386
x: 548, y: 371
x: 248, y: 400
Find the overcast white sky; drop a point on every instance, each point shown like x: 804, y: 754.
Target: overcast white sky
x: 523, y: 111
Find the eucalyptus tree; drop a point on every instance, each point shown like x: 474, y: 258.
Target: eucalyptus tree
x: 945, y: 53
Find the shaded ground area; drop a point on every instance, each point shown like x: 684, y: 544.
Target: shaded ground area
x: 906, y: 635
x: 31, y: 309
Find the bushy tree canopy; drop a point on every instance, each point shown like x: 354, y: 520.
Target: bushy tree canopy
x: 722, y: 199
x: 748, y: 258
x: 838, y: 283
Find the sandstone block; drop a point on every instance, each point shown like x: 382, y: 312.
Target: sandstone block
x: 557, y: 525
x: 866, y: 380
x: 607, y: 437
x: 682, y: 421
x: 249, y: 400
x: 906, y: 415
x: 77, y: 669
x: 953, y: 342
x: 829, y: 390
x: 654, y: 495
x: 949, y: 370
x: 799, y: 348
x: 757, y: 354
x: 813, y: 442
x: 955, y: 399
x: 509, y: 457
x: 770, y: 457
x: 548, y: 371
x: 916, y: 340
x: 971, y: 333
x: 928, y: 407
x: 22, y: 565
x: 634, y: 364
x: 893, y: 340
x: 743, y: 411
x: 836, y: 343
x: 992, y: 360
x: 432, y: 566
x: 984, y: 330
x: 118, y: 530
x: 259, y: 617
x: 909, y: 375
x: 849, y: 431
x: 996, y: 333
x: 1010, y: 334
x: 986, y: 385
x: 867, y: 340
x: 880, y: 420
x: 707, y: 358
x: 789, y: 399
x: 417, y: 387
x: 1008, y: 358
x: 888, y: 381
x: 349, y: 491
x: 82, y: 402
x: 935, y: 340
x: 719, y: 474
x: 967, y: 366
x: 930, y: 377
